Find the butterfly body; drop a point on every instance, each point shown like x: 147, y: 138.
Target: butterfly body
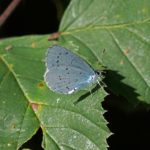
x: 66, y: 72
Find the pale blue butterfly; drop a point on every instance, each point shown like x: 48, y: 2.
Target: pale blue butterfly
x: 66, y: 72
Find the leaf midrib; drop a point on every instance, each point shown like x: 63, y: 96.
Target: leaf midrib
x: 107, y: 26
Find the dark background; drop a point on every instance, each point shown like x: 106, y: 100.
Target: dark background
x: 131, y: 127
x: 33, y: 17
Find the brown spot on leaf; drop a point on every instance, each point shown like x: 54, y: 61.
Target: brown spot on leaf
x: 33, y: 45
x: 34, y: 106
x: 126, y: 51
x: 122, y: 62
x: 41, y: 84
x: 8, y: 48
x: 13, y: 126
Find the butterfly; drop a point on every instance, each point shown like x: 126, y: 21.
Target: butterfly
x: 66, y: 72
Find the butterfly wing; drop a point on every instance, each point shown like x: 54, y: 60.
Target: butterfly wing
x: 66, y: 72
x: 58, y: 55
x: 66, y: 81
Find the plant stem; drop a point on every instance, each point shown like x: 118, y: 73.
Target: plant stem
x: 7, y: 12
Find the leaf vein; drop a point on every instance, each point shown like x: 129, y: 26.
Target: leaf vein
x: 77, y: 113
x: 77, y: 132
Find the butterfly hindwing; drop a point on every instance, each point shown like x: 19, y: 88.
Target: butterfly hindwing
x: 65, y: 80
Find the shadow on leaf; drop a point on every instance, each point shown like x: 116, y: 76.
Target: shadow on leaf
x: 114, y: 83
x: 84, y: 96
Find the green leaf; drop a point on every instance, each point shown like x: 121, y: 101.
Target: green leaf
x: 120, y: 27
x: 68, y: 121
x: 18, y: 78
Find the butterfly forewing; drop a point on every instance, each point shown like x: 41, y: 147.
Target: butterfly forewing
x: 58, y: 55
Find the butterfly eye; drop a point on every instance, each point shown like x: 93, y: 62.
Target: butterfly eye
x: 98, y: 73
